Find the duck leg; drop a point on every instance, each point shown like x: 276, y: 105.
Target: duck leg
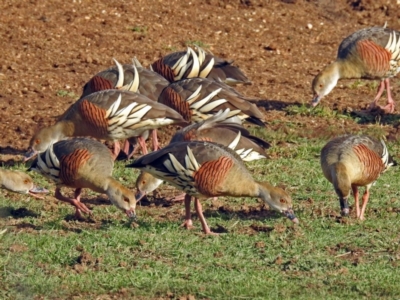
x: 365, y: 198
x: 199, y: 211
x: 79, y: 206
x: 156, y: 145
x: 389, y: 108
x: 142, y: 143
x: 188, y: 224
x: 356, y: 200
x: 125, y: 149
x: 116, y: 150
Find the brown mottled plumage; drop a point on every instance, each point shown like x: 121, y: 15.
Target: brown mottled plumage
x: 19, y: 182
x: 83, y: 163
x: 351, y: 161
x: 109, y: 115
x: 197, y: 99
x: 203, y: 169
x: 370, y: 53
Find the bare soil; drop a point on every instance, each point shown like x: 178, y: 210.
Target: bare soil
x: 51, y: 48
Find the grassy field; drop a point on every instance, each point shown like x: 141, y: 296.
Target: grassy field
x: 45, y: 254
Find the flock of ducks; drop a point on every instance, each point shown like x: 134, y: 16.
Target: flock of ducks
x: 206, y: 157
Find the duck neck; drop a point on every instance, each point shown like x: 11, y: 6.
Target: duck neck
x: 64, y: 129
x: 349, y: 68
x: 341, y: 180
x: 264, y: 191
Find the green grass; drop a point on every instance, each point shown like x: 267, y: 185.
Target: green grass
x: 139, y: 29
x: 64, y: 93
x: 263, y: 255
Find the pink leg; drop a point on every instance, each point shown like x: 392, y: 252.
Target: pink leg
x: 390, y: 106
x: 125, y: 148
x: 188, y: 224
x: 156, y: 145
x: 79, y: 206
x: 379, y: 93
x: 133, y: 140
x: 385, y: 84
x: 356, y: 201
x: 116, y: 150
x: 199, y: 211
x: 364, y: 204
x: 142, y: 143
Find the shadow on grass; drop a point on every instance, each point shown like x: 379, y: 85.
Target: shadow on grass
x: 18, y: 213
x: 376, y: 116
x: 274, y: 104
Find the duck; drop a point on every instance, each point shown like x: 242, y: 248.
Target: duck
x: 213, y: 129
x: 197, y: 99
x: 111, y: 115
x: 371, y: 53
x: 205, y: 169
x: 190, y: 64
x: 218, y: 129
x: 19, y: 182
x: 353, y: 161
x: 80, y: 163
x: 135, y: 78
x: 132, y: 77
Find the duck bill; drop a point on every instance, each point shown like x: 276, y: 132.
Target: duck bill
x: 131, y: 214
x: 38, y: 190
x: 30, y: 154
x: 315, y: 100
x: 139, y: 195
x: 290, y: 215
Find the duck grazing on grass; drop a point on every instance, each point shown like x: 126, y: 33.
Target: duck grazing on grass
x: 370, y: 53
x: 109, y: 115
x: 351, y: 161
x: 214, y: 129
x: 203, y: 170
x: 83, y: 163
x: 20, y: 182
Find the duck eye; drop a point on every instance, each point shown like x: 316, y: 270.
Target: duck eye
x: 320, y: 85
x: 37, y: 141
x: 26, y: 181
x: 283, y: 201
x: 144, y: 182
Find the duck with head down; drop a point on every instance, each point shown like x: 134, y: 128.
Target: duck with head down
x: 370, y: 53
x: 203, y: 170
x: 83, y: 163
x: 109, y: 115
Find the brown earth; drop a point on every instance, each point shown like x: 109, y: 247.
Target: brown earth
x: 51, y: 48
